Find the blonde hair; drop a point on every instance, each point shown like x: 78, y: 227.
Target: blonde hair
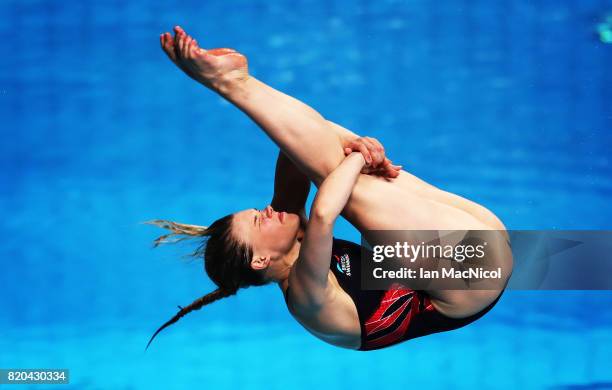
x: 177, y: 229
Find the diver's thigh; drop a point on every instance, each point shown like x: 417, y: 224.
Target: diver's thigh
x: 411, y: 183
x: 379, y: 204
x: 462, y: 303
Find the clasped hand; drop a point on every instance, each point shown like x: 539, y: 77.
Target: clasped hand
x: 377, y: 164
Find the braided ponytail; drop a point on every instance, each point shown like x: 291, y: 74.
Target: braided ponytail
x: 195, y: 305
x: 226, y: 261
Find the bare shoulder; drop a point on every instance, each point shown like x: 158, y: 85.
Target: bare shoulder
x: 300, y: 300
x: 335, y: 320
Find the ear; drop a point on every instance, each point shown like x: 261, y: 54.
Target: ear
x: 259, y: 263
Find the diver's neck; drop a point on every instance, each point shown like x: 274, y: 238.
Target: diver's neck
x: 288, y: 263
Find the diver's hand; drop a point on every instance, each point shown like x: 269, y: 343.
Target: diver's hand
x: 374, y: 154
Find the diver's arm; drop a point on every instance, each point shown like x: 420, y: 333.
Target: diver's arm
x: 310, y: 273
x: 336, y: 189
x: 371, y: 148
x: 291, y: 186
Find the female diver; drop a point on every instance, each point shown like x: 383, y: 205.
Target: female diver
x: 354, y: 179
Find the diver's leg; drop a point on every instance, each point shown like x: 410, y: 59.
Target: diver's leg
x: 300, y: 131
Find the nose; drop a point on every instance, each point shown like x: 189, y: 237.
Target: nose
x: 269, y: 210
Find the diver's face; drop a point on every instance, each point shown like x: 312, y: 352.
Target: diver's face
x: 270, y: 233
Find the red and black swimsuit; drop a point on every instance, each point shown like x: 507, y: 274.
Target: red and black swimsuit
x: 392, y: 316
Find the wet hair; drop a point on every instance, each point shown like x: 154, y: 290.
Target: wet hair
x: 227, y: 261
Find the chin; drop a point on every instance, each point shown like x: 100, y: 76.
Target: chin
x: 293, y: 218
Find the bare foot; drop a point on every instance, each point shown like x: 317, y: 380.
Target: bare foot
x: 217, y: 69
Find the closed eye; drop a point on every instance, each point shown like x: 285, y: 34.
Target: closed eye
x: 257, y: 218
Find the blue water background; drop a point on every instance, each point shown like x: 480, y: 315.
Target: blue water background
x: 507, y: 103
